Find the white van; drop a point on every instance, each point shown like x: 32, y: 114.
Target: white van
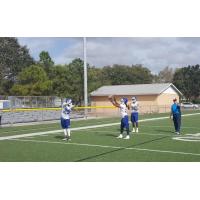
x: 189, y: 105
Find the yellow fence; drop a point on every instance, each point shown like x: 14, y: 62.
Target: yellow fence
x: 38, y: 109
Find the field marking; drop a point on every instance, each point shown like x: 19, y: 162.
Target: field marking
x: 84, y: 127
x: 194, y: 134
x: 111, y: 147
x: 189, y: 138
x: 35, y: 129
x: 182, y: 127
x: 54, y: 131
x: 43, y: 135
x: 131, y: 133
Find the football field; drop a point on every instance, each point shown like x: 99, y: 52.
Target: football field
x: 94, y: 140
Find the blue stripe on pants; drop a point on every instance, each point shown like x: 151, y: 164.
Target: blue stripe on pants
x: 124, y: 122
x: 177, y: 121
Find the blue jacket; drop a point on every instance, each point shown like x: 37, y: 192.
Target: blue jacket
x: 175, y: 108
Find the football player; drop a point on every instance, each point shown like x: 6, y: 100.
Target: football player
x: 124, y: 115
x: 65, y: 118
x: 134, y: 114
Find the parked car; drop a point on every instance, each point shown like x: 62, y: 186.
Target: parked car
x: 189, y: 105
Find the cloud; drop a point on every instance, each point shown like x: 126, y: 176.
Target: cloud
x: 37, y: 44
x: 153, y: 52
x: 74, y: 50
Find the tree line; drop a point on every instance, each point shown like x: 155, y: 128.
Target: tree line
x: 21, y: 75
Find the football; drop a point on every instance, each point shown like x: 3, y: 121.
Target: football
x: 110, y: 97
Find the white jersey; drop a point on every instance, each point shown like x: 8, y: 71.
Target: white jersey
x: 123, y: 110
x: 66, y: 110
x: 134, y: 107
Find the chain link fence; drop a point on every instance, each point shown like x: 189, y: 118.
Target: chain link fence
x: 35, y: 101
x: 46, y: 108
x: 14, y: 116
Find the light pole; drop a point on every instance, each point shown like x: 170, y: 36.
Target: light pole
x: 85, y: 75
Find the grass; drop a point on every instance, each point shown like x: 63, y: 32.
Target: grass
x: 154, y: 142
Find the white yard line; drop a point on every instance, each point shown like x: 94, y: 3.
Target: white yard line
x: 133, y: 134
x: 83, y: 128
x: 28, y: 134
x: 157, y: 118
x: 182, y: 127
x: 43, y: 122
x: 54, y: 131
x: 33, y: 129
x: 22, y: 130
x: 111, y: 147
x: 189, y: 137
x: 44, y: 135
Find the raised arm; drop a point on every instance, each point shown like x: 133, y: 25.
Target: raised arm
x: 112, y: 99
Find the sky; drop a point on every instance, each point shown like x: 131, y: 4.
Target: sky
x: 154, y: 53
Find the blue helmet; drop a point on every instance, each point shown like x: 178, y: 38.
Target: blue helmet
x: 68, y: 101
x: 124, y: 100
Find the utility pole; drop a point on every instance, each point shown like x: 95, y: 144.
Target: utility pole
x: 85, y: 76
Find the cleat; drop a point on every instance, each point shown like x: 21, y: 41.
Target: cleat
x: 127, y: 137
x: 120, y: 136
x: 178, y: 133
x: 66, y: 139
x: 137, y: 130
x: 133, y: 130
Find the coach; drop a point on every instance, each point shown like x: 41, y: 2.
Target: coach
x: 176, y: 113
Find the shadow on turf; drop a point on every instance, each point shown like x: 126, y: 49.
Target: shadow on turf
x: 113, y: 134
x: 165, y: 131
x: 109, y: 134
x: 115, y: 150
x: 59, y: 136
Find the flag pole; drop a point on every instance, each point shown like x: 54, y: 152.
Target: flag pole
x: 85, y: 76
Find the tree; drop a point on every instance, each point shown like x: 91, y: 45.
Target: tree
x: 155, y: 78
x: 165, y: 75
x: 187, y: 80
x: 123, y: 74
x: 46, y: 61
x: 195, y: 81
x: 68, y: 81
x: 13, y: 58
x: 32, y: 81
x: 76, y: 79
x: 140, y: 75
x: 116, y: 75
x: 179, y: 80
x: 95, y: 78
x: 60, y: 81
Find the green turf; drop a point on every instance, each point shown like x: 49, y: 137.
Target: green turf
x: 153, y: 143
